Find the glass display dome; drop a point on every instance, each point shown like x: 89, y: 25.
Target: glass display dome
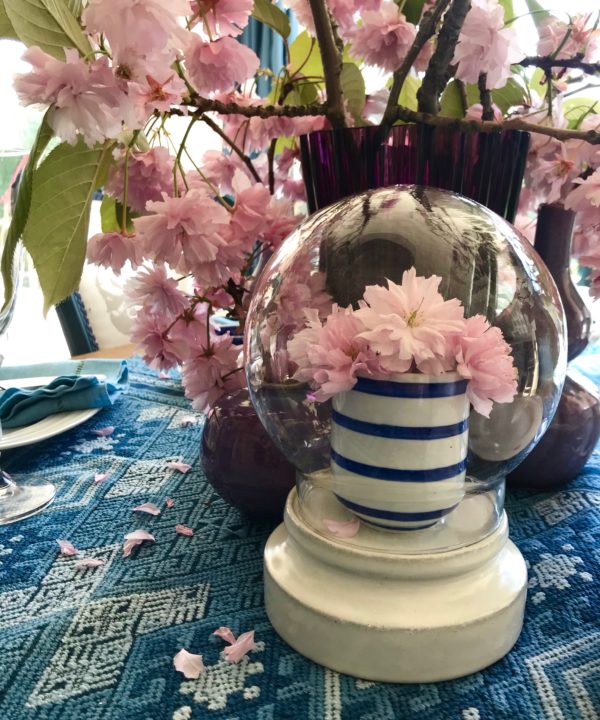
x: 492, y: 270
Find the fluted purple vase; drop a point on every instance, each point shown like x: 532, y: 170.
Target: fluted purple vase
x: 486, y: 167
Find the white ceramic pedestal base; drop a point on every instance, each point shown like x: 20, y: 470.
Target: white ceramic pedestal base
x: 396, y: 618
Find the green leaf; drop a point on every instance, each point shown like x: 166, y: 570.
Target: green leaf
x: 513, y: 93
x: 269, y: 14
x: 48, y: 24
x: 451, y: 104
x: 6, y: 28
x: 304, y: 93
x: 21, y: 209
x: 413, y: 9
x: 408, y: 94
x: 56, y: 231
x: 538, y: 13
x: 509, y: 12
x: 305, y: 56
x: 111, y: 215
x: 353, y: 87
x: 75, y: 6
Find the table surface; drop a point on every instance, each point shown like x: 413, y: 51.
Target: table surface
x: 97, y: 644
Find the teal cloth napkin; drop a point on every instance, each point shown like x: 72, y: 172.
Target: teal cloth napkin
x: 69, y: 391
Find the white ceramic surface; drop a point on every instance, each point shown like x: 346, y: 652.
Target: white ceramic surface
x: 391, y: 617
x: 44, y: 429
x: 399, y: 461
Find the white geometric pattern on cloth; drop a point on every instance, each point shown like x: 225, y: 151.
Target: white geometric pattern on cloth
x: 553, y: 571
x: 542, y: 667
x: 333, y: 700
x: 101, y: 634
x: 559, y: 507
x: 220, y: 680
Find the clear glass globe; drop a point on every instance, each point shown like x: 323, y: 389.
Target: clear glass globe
x: 365, y: 240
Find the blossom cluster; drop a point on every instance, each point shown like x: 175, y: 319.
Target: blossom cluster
x: 404, y: 328
x: 197, y: 230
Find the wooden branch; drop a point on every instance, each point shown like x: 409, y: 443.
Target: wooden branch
x: 426, y: 30
x: 486, y: 98
x: 332, y: 63
x: 462, y: 91
x: 437, y: 75
x: 574, y: 63
x: 202, y: 105
x: 516, y: 123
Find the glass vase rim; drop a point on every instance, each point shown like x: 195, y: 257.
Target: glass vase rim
x: 457, y: 131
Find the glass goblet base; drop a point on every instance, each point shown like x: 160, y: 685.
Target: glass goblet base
x: 20, y: 500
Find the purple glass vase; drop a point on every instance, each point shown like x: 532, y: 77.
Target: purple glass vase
x: 574, y: 431
x: 486, y: 167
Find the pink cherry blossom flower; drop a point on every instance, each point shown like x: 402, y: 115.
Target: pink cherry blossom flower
x: 574, y: 38
x: 219, y: 298
x: 189, y: 421
x: 114, y: 249
x: 144, y: 26
x: 235, y: 652
x: 342, y: 529
x: 183, y: 530
x: 280, y: 220
x: 149, y: 508
x: 210, y: 373
x: 160, y: 351
x: 86, y: 97
x: 218, y: 65
x: 411, y: 324
x: 89, y: 563
x: 169, y: 502
x: 158, y: 292
x: 220, y: 169
x: 186, y: 232
x: 586, y: 193
x: 156, y: 94
x: 226, y: 634
x: 484, y: 358
x: 485, y: 45
x: 330, y: 356
x: 189, y: 665
x: 100, y: 477
x: 475, y: 111
x: 384, y: 37
x: 553, y: 175
x: 149, y: 175
x: 67, y: 548
x: 181, y: 467
x: 223, y: 17
x: 251, y: 200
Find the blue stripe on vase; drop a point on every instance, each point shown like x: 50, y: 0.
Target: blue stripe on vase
x: 397, y: 432
x: 393, y: 515
x: 383, y: 473
x: 388, y: 388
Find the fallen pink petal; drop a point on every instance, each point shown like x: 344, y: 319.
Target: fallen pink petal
x: 89, y: 563
x: 240, y: 648
x: 67, y: 548
x: 188, y: 421
x: 149, y: 508
x: 345, y: 529
x: 169, y: 502
x: 190, y: 665
x: 100, y: 477
x: 103, y: 432
x: 226, y: 634
x: 183, y: 530
x: 180, y: 466
x: 132, y: 539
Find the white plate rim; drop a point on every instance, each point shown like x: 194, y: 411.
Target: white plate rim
x: 66, y: 421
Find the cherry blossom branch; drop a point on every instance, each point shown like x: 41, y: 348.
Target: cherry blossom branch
x: 574, y: 63
x: 436, y: 77
x: 427, y: 28
x: 240, y: 153
x: 203, y: 105
x: 332, y: 63
x: 516, y: 123
x: 486, y: 98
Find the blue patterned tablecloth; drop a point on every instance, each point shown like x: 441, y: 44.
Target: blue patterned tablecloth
x: 98, y: 644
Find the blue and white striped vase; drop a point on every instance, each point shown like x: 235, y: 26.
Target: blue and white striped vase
x: 399, y: 448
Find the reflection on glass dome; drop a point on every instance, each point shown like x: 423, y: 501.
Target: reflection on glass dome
x: 492, y: 270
